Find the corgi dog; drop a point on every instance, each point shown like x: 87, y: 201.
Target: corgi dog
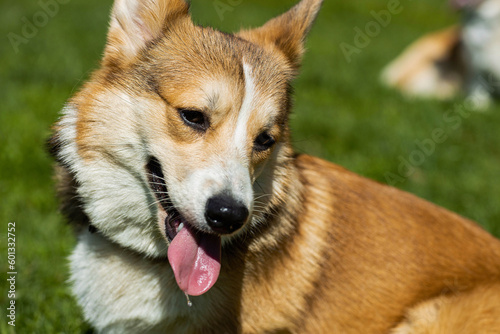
x: 194, y: 214
x: 460, y: 58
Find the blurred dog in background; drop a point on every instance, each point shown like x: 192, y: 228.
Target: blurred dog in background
x: 460, y: 58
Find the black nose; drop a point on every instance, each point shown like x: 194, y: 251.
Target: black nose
x: 224, y: 214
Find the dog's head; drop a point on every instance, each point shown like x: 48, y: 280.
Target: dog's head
x: 181, y: 137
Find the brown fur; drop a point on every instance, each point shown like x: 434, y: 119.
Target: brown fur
x: 334, y: 252
x: 367, y: 252
x: 452, y: 314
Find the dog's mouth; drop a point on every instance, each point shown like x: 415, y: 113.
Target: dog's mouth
x: 193, y: 255
x: 173, y: 221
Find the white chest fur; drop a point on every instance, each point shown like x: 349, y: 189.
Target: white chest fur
x: 122, y: 292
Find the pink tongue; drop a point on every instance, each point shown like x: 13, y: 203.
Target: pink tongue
x: 195, y: 259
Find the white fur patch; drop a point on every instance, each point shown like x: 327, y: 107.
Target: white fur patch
x: 240, y: 137
x: 116, y: 197
x: 121, y: 292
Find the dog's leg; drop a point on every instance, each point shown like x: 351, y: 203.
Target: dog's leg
x: 476, y: 311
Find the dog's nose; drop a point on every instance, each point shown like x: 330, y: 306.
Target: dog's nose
x: 225, y: 214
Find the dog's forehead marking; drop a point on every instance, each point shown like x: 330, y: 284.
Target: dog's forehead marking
x: 214, y: 92
x: 240, y: 136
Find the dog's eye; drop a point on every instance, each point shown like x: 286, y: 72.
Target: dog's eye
x: 263, y: 142
x: 194, y: 118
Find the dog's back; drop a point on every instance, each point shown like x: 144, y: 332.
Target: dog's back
x: 433, y: 66
x: 379, y: 251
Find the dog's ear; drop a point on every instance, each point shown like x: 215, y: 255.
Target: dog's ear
x: 287, y: 32
x: 135, y: 23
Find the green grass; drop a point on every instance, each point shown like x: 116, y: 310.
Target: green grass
x: 341, y: 113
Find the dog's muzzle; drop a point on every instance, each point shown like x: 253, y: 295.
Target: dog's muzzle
x: 195, y: 255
